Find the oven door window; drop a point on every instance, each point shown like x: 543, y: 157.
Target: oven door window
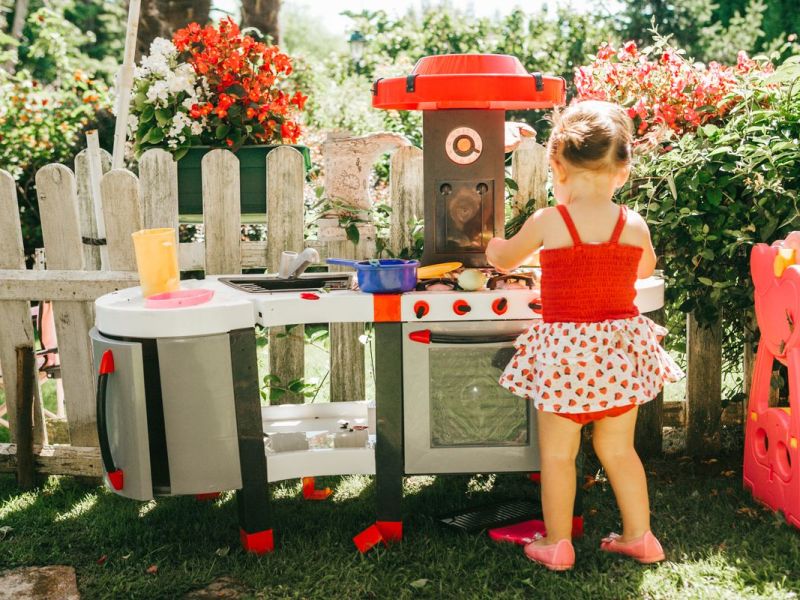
x: 467, y: 405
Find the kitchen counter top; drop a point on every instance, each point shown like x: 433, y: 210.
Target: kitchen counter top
x: 123, y: 313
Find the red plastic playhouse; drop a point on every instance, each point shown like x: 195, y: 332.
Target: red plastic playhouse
x: 771, y: 460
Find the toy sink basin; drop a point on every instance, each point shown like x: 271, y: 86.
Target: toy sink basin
x: 307, y: 282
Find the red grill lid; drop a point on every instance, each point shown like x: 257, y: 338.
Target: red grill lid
x: 480, y: 81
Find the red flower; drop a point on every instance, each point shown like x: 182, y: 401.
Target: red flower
x: 299, y: 100
x: 243, y: 75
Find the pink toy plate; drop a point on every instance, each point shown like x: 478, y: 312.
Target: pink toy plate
x: 179, y: 299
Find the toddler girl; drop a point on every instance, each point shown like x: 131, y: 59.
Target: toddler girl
x: 592, y: 358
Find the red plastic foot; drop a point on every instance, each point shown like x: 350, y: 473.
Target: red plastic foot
x: 535, y: 477
x: 207, y: 497
x: 310, y: 491
x: 392, y: 531
x: 116, y: 478
x: 259, y: 542
x: 368, y: 538
x: 577, y: 527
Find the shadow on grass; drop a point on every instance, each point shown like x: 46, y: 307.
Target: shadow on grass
x: 713, y: 551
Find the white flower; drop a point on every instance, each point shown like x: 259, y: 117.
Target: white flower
x: 197, y: 127
x: 163, y: 47
x: 158, y: 93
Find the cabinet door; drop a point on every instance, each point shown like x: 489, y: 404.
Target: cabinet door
x: 126, y: 416
x: 199, y: 414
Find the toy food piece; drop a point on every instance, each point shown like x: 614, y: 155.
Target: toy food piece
x: 785, y: 258
x: 471, y: 280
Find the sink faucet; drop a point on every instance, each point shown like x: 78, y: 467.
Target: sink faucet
x: 293, y: 265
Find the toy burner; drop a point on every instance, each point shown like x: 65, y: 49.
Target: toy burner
x: 464, y: 98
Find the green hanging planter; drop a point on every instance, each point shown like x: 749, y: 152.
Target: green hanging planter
x: 252, y: 179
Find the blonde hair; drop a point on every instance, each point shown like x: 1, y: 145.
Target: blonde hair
x: 592, y: 135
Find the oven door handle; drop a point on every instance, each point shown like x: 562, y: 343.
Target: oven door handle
x: 425, y: 336
x: 115, y: 474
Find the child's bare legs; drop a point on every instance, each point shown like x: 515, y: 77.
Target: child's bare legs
x: 613, y: 443
x: 559, y: 441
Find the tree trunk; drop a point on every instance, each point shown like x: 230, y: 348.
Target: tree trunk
x: 649, y: 435
x: 17, y: 25
x: 161, y: 18
x: 20, y: 16
x: 263, y: 15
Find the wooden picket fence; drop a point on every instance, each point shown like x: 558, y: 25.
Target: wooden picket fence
x: 73, y: 278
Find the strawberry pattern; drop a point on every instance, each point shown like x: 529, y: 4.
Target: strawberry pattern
x: 571, y: 367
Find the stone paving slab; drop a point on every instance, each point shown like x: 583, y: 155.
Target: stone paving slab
x: 54, y: 582
x: 224, y: 588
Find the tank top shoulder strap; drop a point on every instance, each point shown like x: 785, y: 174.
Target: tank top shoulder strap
x: 573, y: 232
x: 623, y: 216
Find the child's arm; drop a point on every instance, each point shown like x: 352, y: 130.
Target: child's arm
x: 647, y: 263
x: 507, y: 255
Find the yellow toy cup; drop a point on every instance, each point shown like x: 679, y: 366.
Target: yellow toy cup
x: 157, y: 260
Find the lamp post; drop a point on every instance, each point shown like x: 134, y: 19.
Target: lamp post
x: 357, y: 43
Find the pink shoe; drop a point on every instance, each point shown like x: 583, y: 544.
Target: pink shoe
x: 645, y: 549
x: 556, y: 557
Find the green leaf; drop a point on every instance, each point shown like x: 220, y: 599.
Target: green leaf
x: 155, y: 135
x: 221, y: 131
x: 671, y: 184
x: 147, y: 114
x: 352, y: 233
x: 705, y: 281
x: 511, y: 184
x: 236, y: 90
x: 163, y: 116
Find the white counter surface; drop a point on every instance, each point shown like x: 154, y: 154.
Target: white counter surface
x: 124, y: 314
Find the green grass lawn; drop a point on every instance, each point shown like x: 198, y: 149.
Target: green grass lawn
x: 719, y: 543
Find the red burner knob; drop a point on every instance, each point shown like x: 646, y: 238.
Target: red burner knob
x: 421, y: 309
x: 536, y: 305
x: 461, y: 307
x: 500, y: 306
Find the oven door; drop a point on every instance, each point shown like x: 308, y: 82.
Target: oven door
x: 457, y: 418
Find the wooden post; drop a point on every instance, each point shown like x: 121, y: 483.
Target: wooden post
x: 158, y: 181
x: 348, y: 380
x: 407, y: 193
x: 16, y: 328
x: 25, y: 380
x: 222, y: 214
x: 58, y: 207
x: 529, y: 171
x: 703, y: 386
x: 88, y: 220
x: 650, y: 421
x: 122, y: 210
x: 285, y: 207
x: 125, y: 83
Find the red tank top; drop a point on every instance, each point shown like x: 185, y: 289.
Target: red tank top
x: 589, y: 282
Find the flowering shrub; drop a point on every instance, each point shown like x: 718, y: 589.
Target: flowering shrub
x: 662, y: 91
x: 213, y: 86
x: 41, y: 124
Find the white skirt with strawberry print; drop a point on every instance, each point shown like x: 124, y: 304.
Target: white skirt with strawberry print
x: 589, y: 367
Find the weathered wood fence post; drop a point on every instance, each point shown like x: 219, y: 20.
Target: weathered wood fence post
x: 58, y: 209
x: 285, y: 227
x: 406, y: 187
x: 703, y: 386
x: 16, y: 328
x: 529, y: 171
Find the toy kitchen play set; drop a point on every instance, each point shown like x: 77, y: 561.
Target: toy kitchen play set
x: 179, y: 409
